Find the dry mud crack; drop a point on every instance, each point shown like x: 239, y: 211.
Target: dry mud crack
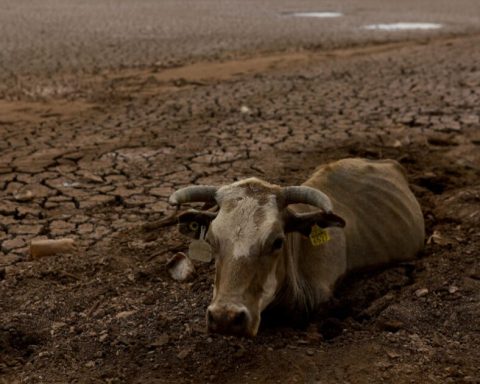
x: 100, y: 169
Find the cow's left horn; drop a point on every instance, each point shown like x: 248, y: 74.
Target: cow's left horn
x: 307, y: 195
x: 205, y: 193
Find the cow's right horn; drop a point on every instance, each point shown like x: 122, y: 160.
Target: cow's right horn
x: 307, y: 195
x: 204, y: 193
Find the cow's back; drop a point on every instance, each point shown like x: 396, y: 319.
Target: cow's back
x: 384, y: 222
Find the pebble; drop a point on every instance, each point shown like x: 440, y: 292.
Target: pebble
x: 103, y: 337
x: 124, y: 314
x: 24, y: 196
x: 452, y: 289
x: 421, y: 292
x: 184, y: 353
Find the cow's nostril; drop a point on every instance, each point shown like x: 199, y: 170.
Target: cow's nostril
x: 240, y: 319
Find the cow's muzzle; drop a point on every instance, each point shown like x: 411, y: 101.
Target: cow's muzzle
x: 229, y: 320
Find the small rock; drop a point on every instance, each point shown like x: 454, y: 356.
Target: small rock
x: 438, y: 238
x: 103, y: 337
x: 184, y: 353
x: 452, y: 289
x: 244, y: 109
x: 160, y: 341
x: 90, y: 364
x: 57, y: 325
x: 310, y: 352
x: 26, y: 195
x: 421, y: 292
x: 180, y: 267
x: 124, y: 314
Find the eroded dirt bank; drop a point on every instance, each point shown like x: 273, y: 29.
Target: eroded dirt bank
x: 101, y: 155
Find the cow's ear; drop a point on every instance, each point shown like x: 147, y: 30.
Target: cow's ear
x: 190, y: 223
x: 303, y: 222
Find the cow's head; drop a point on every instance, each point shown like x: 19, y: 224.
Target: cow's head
x: 247, y: 238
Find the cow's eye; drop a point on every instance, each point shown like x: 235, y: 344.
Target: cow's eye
x: 277, y: 244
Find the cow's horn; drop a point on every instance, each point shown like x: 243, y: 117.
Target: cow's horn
x: 307, y: 195
x: 205, y: 193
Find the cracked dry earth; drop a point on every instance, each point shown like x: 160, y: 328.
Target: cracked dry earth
x: 95, y: 158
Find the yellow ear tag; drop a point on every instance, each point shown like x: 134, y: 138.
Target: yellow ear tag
x: 318, y: 236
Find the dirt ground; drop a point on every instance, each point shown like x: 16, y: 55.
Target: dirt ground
x: 95, y: 157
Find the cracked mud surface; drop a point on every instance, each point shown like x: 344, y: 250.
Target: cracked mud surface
x: 95, y: 158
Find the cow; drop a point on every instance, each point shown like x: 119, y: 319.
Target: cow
x: 290, y: 246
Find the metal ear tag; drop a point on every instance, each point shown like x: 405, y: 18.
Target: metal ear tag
x: 199, y: 249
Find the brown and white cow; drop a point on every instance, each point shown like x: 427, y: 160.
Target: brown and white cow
x: 290, y: 246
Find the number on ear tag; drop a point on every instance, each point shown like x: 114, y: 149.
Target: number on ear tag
x: 318, y: 236
x: 199, y: 249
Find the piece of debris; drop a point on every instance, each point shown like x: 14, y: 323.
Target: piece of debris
x: 421, y: 292
x: 452, y: 289
x: 180, y: 267
x: 437, y: 238
x: 41, y: 248
x: 244, y: 109
x: 124, y: 314
x: 184, y: 353
x: 26, y: 195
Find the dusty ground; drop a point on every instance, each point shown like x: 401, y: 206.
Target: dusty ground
x: 101, y: 153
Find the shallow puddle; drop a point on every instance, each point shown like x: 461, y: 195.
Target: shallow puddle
x: 324, y: 15
x: 403, y: 26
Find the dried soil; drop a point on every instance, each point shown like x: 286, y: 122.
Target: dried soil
x: 100, y: 171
